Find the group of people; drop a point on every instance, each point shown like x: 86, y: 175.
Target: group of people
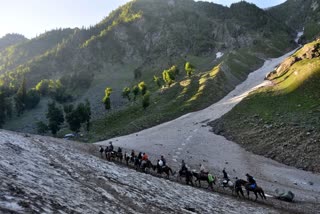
x: 237, y: 185
x: 138, y: 160
x: 142, y: 158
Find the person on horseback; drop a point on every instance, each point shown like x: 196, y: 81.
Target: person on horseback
x: 133, y: 153
x: 203, y: 170
x: 140, y: 155
x: 101, y: 150
x: 184, y: 168
x: 237, y: 187
x: 110, y: 147
x: 251, y: 181
x: 225, y: 175
x: 119, y: 150
x: 106, y: 151
x: 225, y: 178
x: 163, y: 160
x: 145, y: 157
x: 160, y: 163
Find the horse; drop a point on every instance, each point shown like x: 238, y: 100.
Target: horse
x: 228, y: 184
x: 187, y: 174
x: 256, y: 190
x: 111, y: 155
x: 119, y: 156
x: 164, y: 169
x: 146, y: 166
x: 204, y: 177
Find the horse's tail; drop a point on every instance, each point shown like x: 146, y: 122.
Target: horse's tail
x: 170, y: 170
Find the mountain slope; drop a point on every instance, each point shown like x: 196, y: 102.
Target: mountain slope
x: 282, y: 121
x: 300, y: 14
x: 45, y: 175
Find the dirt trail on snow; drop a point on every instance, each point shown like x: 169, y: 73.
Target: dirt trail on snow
x: 189, y: 138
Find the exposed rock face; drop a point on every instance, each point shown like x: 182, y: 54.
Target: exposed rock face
x: 309, y: 51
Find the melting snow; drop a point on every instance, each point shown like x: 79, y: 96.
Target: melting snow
x: 45, y: 175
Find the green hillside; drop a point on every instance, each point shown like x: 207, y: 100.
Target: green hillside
x: 282, y: 121
x: 136, y: 42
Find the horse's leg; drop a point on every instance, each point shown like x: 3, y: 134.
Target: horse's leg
x: 263, y: 195
x: 255, y: 192
x: 248, y: 193
x: 241, y: 191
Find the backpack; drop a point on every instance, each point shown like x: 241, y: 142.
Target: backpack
x: 210, y: 178
x: 160, y: 163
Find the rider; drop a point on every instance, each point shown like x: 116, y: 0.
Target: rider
x: 110, y: 147
x: 163, y: 160
x: 252, y: 181
x: 140, y: 156
x: 183, y: 167
x: 237, y: 186
x: 145, y: 157
x: 133, y: 153
x: 203, y: 170
x: 101, y: 150
x: 225, y: 174
x: 119, y: 150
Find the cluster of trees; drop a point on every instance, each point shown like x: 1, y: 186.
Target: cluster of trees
x: 25, y: 99
x: 54, y: 89
x: 169, y: 75
x: 142, y: 89
x: 74, y: 116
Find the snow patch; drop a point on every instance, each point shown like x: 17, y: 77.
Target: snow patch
x: 219, y: 55
x: 299, y: 35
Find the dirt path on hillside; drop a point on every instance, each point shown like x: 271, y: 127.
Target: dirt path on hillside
x: 189, y: 138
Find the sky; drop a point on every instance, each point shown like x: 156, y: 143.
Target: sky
x: 33, y: 17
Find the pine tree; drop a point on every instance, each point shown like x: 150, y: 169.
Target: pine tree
x: 189, y: 69
x: 157, y: 81
x: 146, y: 100
x: 106, y: 99
x: 126, y: 93
x: 21, y: 97
x: 55, y: 117
x: 135, y: 91
x: 143, y: 88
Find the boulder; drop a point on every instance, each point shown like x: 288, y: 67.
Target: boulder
x: 284, y: 195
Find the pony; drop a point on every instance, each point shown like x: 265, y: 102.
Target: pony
x: 187, y: 174
x: 119, y: 156
x: 146, y: 166
x: 256, y: 191
x: 228, y: 184
x: 163, y: 169
x: 204, y: 177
